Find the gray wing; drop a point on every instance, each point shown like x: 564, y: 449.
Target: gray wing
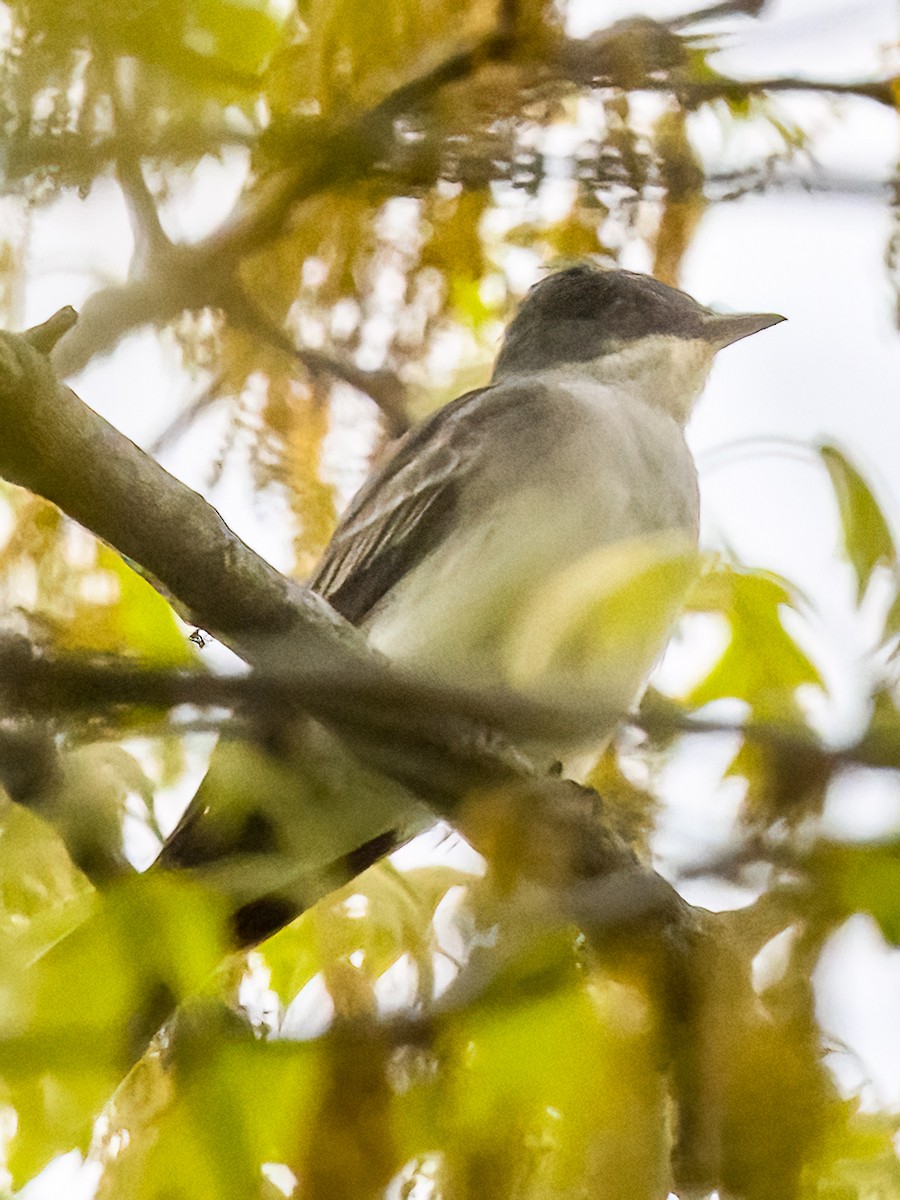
x: 402, y: 513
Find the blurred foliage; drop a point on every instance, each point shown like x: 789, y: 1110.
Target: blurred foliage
x: 585, y: 628
x: 867, y: 537
x: 64, y: 589
x: 433, y: 1030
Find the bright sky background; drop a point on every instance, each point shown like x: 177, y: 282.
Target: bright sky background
x: 831, y: 373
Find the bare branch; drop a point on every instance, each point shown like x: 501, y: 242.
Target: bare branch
x: 44, y: 337
x: 149, y: 236
x: 110, y: 314
x: 383, y: 387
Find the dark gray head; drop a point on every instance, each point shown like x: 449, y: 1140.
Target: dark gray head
x: 584, y: 312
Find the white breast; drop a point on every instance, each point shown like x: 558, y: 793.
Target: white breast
x: 619, y: 470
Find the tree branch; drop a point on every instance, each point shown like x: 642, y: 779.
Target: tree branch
x: 149, y: 236
x: 638, y: 54
x: 382, y: 387
x: 388, y: 702
x: 727, y: 8
x: 60, y: 449
x: 187, y: 417
x: 692, y: 91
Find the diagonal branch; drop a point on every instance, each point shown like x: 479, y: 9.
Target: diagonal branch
x: 60, y: 449
x: 726, y: 8
x: 383, y: 387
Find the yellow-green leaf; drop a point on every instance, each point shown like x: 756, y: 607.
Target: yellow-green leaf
x: 866, y: 534
x: 762, y: 664
x: 602, y: 622
x: 862, y: 879
x: 72, y: 1023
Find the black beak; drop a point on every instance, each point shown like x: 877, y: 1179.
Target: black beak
x: 722, y: 329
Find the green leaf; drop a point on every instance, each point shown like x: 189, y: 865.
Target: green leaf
x: 857, y: 1160
x: 866, y: 534
x: 562, y: 1092
x: 217, y: 47
x: 601, y: 623
x: 43, y: 895
x: 762, y: 664
x: 862, y: 879
x: 138, y: 621
x: 203, y: 1122
x: 75, y: 1020
x: 892, y: 621
x: 243, y: 33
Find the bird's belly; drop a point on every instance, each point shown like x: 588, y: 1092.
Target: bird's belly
x: 455, y: 614
x: 451, y: 614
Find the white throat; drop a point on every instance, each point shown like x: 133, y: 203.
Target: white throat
x: 665, y: 372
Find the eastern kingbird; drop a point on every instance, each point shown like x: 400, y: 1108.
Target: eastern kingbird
x: 577, y: 444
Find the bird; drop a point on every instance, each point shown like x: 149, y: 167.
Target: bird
x: 574, y: 454
x: 460, y: 552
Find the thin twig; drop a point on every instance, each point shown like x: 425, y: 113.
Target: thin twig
x: 185, y: 420
x: 694, y: 90
x: 383, y: 387
x: 727, y: 8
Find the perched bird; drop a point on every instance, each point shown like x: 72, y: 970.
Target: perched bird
x: 466, y: 555
x: 573, y: 454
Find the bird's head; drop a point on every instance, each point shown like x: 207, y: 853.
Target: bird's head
x: 622, y: 329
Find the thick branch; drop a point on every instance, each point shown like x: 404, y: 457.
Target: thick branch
x: 57, y: 447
